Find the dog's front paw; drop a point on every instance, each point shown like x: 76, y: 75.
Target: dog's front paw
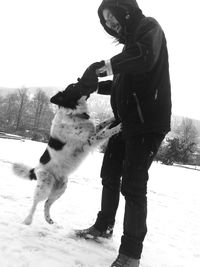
x: 111, y: 120
x: 116, y: 129
x: 108, y: 132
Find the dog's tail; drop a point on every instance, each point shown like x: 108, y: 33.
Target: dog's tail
x: 24, y: 171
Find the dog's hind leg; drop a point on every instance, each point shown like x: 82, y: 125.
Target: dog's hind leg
x: 42, y: 191
x: 58, y: 189
x: 29, y: 218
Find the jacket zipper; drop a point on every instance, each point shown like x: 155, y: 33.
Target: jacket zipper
x: 139, y: 110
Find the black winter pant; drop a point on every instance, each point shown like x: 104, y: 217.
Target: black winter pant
x: 129, y: 160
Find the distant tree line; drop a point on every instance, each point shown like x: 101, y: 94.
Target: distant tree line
x: 30, y: 115
x: 27, y: 115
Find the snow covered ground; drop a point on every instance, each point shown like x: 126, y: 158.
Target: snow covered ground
x: 173, y: 238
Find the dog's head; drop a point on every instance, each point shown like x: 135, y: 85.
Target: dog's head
x: 69, y: 98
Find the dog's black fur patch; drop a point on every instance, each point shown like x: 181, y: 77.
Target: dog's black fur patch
x: 32, y: 175
x: 55, y: 143
x: 45, y: 158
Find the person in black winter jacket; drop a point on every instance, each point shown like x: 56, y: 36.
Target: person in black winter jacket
x: 141, y: 101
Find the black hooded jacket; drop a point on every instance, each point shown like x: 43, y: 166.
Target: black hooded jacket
x: 140, y: 90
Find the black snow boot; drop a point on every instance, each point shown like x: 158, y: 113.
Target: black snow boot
x: 125, y: 261
x: 93, y: 233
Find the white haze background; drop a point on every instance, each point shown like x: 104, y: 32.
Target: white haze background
x: 51, y: 42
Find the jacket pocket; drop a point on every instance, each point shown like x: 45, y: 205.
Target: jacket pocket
x: 139, y: 110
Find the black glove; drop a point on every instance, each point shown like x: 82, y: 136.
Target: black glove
x: 105, y: 87
x: 89, y: 80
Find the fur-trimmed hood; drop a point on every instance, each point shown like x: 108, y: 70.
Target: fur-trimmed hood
x: 127, y: 12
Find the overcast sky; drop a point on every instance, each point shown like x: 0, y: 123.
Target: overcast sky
x: 51, y: 42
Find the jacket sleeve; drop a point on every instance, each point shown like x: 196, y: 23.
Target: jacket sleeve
x: 140, y: 56
x: 104, y: 87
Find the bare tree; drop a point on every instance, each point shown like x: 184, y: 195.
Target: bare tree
x: 22, y: 99
x: 8, y: 111
x: 40, y: 116
x: 29, y: 116
x: 40, y: 103
x: 188, y: 131
x: 181, y: 147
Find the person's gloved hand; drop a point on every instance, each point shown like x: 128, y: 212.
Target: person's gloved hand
x: 89, y: 79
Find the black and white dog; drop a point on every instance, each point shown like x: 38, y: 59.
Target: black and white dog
x: 73, y: 135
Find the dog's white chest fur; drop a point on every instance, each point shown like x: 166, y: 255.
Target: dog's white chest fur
x: 74, y: 133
